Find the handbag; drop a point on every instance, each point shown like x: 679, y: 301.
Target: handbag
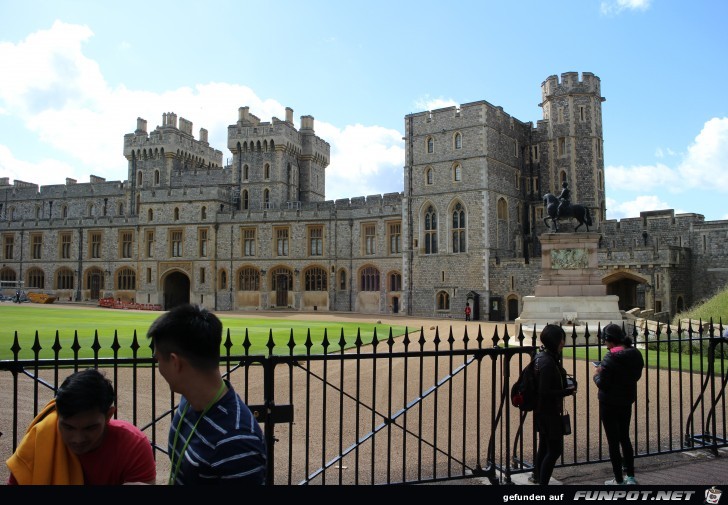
x: 566, y: 423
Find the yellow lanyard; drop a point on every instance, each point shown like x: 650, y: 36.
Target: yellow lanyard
x: 174, y: 469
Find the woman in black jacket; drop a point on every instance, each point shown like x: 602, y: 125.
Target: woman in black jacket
x: 552, y: 388
x: 616, y: 377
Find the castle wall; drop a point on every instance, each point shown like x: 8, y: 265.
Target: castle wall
x: 477, y: 171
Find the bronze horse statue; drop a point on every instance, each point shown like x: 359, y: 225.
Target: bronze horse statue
x: 574, y: 210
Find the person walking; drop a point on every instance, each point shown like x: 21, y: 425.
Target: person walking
x: 616, y: 378
x: 214, y: 437
x: 552, y: 386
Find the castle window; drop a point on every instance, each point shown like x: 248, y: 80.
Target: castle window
x: 535, y: 184
x: 582, y: 113
x: 202, y: 275
x: 95, y: 244
x: 600, y: 180
x: 65, y: 245
x: 370, y: 239
x: 282, y: 241
x: 175, y: 242
x: 156, y: 177
x: 502, y: 210
x: 90, y: 210
x: 36, y: 278
x: 126, y: 244
x: 342, y: 279
x: 315, y: 279
x: 458, y: 141
x: 316, y: 241
x: 518, y: 181
x: 457, y: 172
x: 149, y: 275
x: 430, y: 231
x: 562, y: 146
x: 126, y: 279
x: 443, y: 301
x: 266, y: 199
x: 203, y: 213
x: 36, y: 246
x: 515, y: 148
x: 246, y: 203
x: 7, y: 275
x: 150, y: 243
x: 429, y: 176
x: 458, y: 229
x: 246, y: 173
x: 534, y: 152
x: 395, y: 238
x: 430, y: 145
x: 223, y: 279
x: 561, y: 114
x: 64, y: 211
x: 8, y: 243
x: 176, y: 213
x: 395, y: 281
x: 249, y: 279
x: 202, y: 239
x: 266, y: 171
x: 150, y: 215
x: 249, y: 242
x: 37, y: 212
x: 64, y: 279
x: 369, y: 279
x: 120, y: 209
x: 139, y: 179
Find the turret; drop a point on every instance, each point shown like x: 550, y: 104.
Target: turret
x: 570, y: 139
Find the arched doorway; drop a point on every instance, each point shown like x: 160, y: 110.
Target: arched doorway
x: 473, y: 299
x: 512, y: 308
x: 176, y: 290
x: 629, y: 287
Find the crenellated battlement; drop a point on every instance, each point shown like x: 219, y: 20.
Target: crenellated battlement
x: 466, y: 114
x: 570, y: 84
x: 170, y: 139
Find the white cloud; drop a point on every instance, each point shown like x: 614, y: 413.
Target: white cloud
x: 632, y: 208
x: 364, y: 160
x: 65, y: 101
x: 428, y: 103
x: 640, y: 177
x: 704, y: 166
x: 614, y: 7
x: 706, y: 162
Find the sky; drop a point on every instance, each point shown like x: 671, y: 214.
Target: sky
x: 76, y: 74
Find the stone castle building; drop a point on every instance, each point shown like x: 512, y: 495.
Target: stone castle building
x: 258, y: 233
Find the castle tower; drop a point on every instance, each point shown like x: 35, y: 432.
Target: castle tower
x: 154, y: 157
x: 276, y: 166
x: 570, y: 139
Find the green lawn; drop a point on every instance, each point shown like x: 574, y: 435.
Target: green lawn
x: 86, y: 323
x: 662, y: 359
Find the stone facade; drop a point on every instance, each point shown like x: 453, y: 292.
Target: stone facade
x: 259, y: 234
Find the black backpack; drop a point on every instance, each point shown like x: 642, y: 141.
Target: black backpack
x: 523, y: 391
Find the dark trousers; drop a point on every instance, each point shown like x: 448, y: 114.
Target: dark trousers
x: 550, y: 446
x: 616, y: 420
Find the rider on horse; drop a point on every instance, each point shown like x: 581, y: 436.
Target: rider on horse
x: 564, y: 198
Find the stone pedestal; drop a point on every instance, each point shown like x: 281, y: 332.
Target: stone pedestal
x: 570, y: 290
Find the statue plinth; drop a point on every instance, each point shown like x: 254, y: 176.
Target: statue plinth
x: 570, y: 290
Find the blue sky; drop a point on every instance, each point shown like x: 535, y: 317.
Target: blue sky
x: 75, y: 75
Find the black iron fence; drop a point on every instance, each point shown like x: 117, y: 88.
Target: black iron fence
x: 405, y: 409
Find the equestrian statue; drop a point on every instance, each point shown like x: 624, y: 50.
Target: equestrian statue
x: 560, y: 207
